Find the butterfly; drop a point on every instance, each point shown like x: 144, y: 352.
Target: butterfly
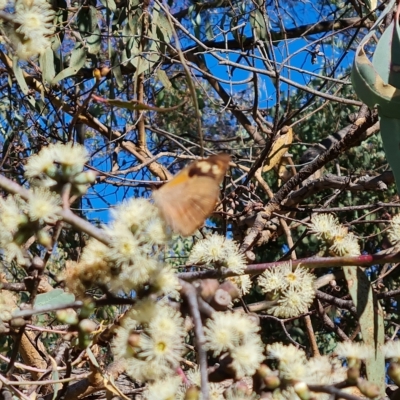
x: 189, y: 198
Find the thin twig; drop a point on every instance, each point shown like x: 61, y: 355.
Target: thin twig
x: 191, y: 296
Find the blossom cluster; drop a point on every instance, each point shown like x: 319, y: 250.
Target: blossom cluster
x: 58, y: 164
x: 150, y: 340
x: 341, y: 241
x: 22, y: 219
x: 291, y: 291
x: 31, y: 27
x: 237, y: 335
x: 133, y: 257
x: 47, y: 172
x: 220, y: 252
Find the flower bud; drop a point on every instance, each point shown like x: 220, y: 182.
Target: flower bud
x: 272, y: 382
x: 44, y: 238
x: 192, y: 393
x: 207, y: 288
x: 134, y: 340
x: 394, y: 372
x: 87, y: 326
x: 231, y: 288
x: 85, y: 178
x: 67, y: 316
x: 80, y: 189
x: 302, y: 390
x: 221, y: 300
x: 353, y: 373
x: 368, y: 389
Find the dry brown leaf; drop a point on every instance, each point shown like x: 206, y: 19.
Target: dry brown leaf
x: 279, y: 148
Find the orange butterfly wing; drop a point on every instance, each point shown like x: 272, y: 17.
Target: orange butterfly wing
x: 189, y: 198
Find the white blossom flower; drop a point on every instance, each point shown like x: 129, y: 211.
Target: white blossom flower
x: 292, y: 302
x: 272, y: 279
x: 292, y: 290
x: 56, y: 161
x: 150, y: 339
x: 165, y: 281
x: 247, y: 357
x: 164, y: 389
x: 10, y: 214
x: 324, y: 370
x: 391, y: 349
x: 285, y: 353
x: 359, y: 351
x: 324, y: 226
x: 345, y: 245
x: 218, y: 250
x: 43, y: 205
x: 225, y: 331
x: 143, y: 220
x: 234, y: 393
x: 242, y: 282
x: 14, y: 251
x: 33, y: 23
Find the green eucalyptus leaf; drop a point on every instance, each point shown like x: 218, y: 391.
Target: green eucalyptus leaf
x: 370, y: 316
x: 394, y: 74
x: 54, y: 297
x: 94, y: 20
x: 84, y: 21
x: 77, y: 61
x: 55, y: 377
x: 164, y: 29
x: 94, y: 41
x: 46, y: 62
x: 116, y: 67
x: 163, y: 78
x: 258, y: 24
x: 371, y: 4
x: 390, y: 132
x: 19, y: 76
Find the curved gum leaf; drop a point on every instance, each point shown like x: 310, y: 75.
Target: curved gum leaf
x: 390, y: 132
x: 370, y: 87
x: 394, y: 74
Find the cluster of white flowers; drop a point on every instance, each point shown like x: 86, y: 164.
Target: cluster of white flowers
x: 342, y: 243
x: 22, y: 219
x: 31, y: 28
x: 293, y: 367
x: 236, y: 334
x: 58, y: 164
x: 174, y: 388
x: 218, y: 251
x: 292, y: 291
x: 132, y: 258
x: 47, y: 172
x: 150, y: 340
x: 353, y: 350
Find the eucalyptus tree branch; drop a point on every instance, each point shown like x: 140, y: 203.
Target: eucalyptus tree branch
x: 331, y: 181
x: 309, y: 263
x: 190, y: 293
